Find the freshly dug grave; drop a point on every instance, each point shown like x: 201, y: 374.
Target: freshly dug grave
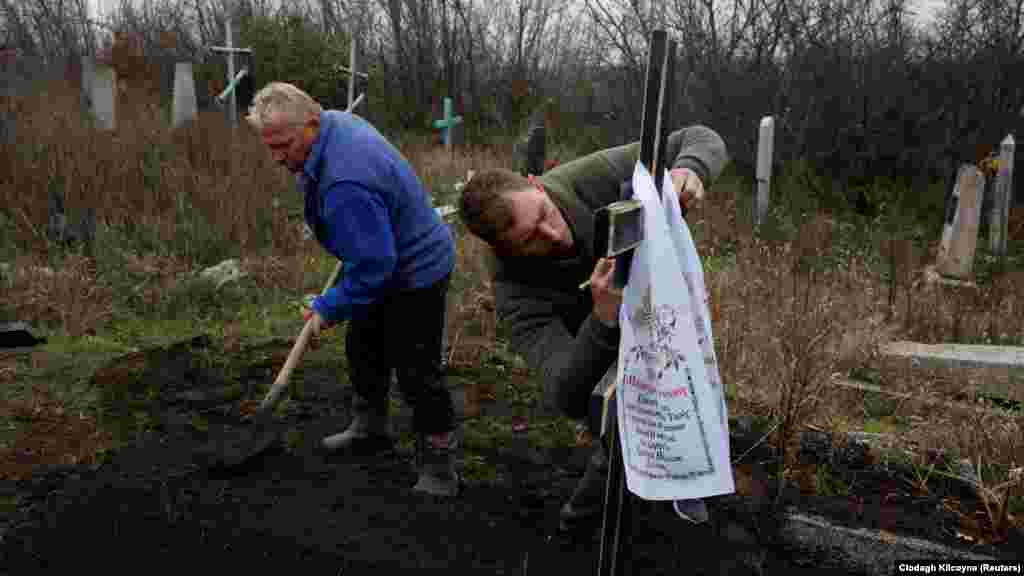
x: 153, y: 505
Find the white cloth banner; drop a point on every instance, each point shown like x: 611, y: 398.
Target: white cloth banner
x: 672, y: 415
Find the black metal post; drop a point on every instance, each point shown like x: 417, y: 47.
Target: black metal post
x: 617, y: 518
x: 246, y: 88
x: 536, y: 144
x: 648, y: 131
x: 616, y: 526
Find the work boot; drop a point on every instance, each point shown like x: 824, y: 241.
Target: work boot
x: 584, y: 506
x: 693, y: 510
x: 369, y: 433
x: 435, y: 461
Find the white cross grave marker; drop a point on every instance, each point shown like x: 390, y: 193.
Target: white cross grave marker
x: 233, y: 79
x: 352, y: 70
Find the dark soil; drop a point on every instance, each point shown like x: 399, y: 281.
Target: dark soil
x: 154, y: 505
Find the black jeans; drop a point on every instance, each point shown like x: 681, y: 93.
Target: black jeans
x: 403, y: 330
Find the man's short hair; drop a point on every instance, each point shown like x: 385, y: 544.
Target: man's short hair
x: 486, y: 203
x: 279, y: 104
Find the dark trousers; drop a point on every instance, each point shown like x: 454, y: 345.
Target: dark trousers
x: 403, y: 331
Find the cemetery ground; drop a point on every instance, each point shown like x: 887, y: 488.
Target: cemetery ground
x: 145, y: 358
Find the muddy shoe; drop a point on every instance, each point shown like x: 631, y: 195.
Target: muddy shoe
x: 435, y: 456
x: 583, y: 510
x: 368, y: 434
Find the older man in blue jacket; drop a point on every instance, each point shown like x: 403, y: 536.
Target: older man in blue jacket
x: 366, y: 207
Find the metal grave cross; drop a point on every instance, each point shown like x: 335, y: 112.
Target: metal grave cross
x: 447, y: 123
x: 654, y: 130
x: 233, y: 79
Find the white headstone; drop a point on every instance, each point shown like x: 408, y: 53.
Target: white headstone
x: 1002, y: 198
x: 184, y: 106
x: 960, y: 232
x: 765, y: 146
x: 99, y: 83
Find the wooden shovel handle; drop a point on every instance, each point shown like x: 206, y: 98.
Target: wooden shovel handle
x: 281, y: 382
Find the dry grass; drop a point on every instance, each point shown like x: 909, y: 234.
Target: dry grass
x: 790, y: 313
x: 472, y: 322
x: 55, y: 436
x: 140, y: 174
x: 784, y: 328
x: 437, y: 168
x: 68, y: 296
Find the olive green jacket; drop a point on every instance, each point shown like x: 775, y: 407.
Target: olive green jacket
x: 549, y: 318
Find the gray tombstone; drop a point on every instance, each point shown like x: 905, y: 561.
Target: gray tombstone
x: 60, y: 231
x: 88, y: 76
x: 184, y: 104
x: 87, y: 229
x: 104, y: 97
x: 57, y: 222
x: 533, y: 148
x: 8, y: 74
x: 1002, y: 198
x: 960, y: 232
x: 765, y: 146
x: 99, y: 85
x: 7, y: 123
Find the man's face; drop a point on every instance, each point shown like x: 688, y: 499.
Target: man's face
x: 289, y: 144
x: 538, y: 228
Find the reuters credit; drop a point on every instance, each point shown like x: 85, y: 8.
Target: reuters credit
x: 972, y: 567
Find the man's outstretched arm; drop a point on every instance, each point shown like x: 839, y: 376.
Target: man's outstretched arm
x: 698, y: 148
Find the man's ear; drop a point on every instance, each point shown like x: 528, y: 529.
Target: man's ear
x: 311, y: 127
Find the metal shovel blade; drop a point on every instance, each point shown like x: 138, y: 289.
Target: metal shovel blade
x: 234, y: 448
x: 231, y: 449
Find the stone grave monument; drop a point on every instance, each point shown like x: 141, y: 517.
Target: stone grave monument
x: 960, y: 230
x: 184, y: 105
x: 99, y: 91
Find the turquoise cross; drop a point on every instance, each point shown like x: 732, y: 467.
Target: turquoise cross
x: 447, y: 123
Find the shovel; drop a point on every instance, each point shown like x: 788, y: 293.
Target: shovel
x: 231, y: 451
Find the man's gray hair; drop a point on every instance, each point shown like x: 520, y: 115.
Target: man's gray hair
x: 279, y: 104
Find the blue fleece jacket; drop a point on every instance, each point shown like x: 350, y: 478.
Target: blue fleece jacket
x: 366, y: 206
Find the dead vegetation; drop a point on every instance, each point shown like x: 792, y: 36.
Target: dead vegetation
x: 792, y: 308
x: 56, y: 436
x: 797, y: 312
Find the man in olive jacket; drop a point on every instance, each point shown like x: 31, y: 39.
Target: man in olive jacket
x: 541, y: 231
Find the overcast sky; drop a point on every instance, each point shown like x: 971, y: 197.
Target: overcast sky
x: 925, y: 9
